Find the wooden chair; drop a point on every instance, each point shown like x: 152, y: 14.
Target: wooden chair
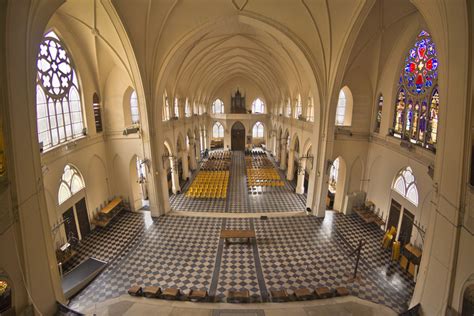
x: 171, y: 294
x: 323, y: 292
x: 198, y: 295
x: 135, y: 290
x: 279, y: 295
x: 242, y: 296
x: 303, y: 294
x: 151, y: 291
x: 403, y: 262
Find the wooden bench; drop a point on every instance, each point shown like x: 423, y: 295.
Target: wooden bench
x: 171, y: 294
x: 198, y: 295
x: 238, y: 296
x: 279, y: 295
x: 135, y: 290
x: 323, y: 292
x: 303, y: 294
x: 151, y: 291
x: 237, y: 233
x: 342, y: 291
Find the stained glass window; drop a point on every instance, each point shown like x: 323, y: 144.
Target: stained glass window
x: 71, y: 183
x: 258, y: 130
x: 417, y: 103
x: 378, y: 115
x: 405, y: 185
x: 166, y: 108
x: 310, y: 110
x: 218, y: 130
x: 218, y: 106
x: 58, y: 101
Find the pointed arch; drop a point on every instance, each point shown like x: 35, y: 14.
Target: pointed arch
x: 58, y: 94
x: 404, y: 184
x: 71, y: 183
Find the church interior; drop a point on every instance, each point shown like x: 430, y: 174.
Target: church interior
x: 236, y: 157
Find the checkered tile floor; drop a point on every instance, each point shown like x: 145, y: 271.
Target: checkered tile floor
x: 106, y: 243
x: 237, y: 270
x: 242, y: 200
x: 290, y: 252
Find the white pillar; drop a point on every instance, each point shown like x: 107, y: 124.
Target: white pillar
x: 300, y: 180
x: 192, y: 153
x: 174, y: 176
x: 283, y: 157
x: 291, y: 165
x: 184, y: 159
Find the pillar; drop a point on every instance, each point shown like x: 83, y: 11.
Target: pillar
x: 291, y: 165
x: 184, y: 159
x: 192, y: 153
x: 283, y: 157
x: 300, y: 180
x: 174, y: 176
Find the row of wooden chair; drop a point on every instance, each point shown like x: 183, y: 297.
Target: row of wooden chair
x: 168, y: 293
x: 237, y: 296
x: 220, y: 154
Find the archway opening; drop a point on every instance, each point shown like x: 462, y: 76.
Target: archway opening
x: 336, y: 184
x: 138, y: 183
x: 238, y: 136
x: 468, y: 301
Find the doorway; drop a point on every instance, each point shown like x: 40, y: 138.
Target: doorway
x: 394, y: 215
x: 83, y: 218
x: 70, y: 226
x: 406, y: 227
x: 238, y: 136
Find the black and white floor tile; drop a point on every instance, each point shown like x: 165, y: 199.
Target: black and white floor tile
x: 290, y: 252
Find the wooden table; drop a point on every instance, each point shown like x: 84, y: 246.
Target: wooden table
x: 237, y: 233
x: 109, y: 207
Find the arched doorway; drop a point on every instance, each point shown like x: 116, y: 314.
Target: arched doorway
x: 468, y: 301
x: 336, y: 184
x: 238, y: 136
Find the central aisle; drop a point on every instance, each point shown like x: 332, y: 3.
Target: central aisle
x: 240, y: 198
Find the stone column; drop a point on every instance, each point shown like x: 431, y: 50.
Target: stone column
x: 192, y: 153
x: 174, y: 176
x: 184, y: 159
x: 300, y: 180
x: 283, y: 157
x: 291, y: 165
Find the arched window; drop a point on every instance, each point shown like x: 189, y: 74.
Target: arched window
x: 134, y: 108
x: 333, y: 174
x: 166, y: 108
x: 258, y: 130
x: 258, y: 106
x: 344, y: 107
x: 218, y: 106
x: 405, y: 185
x: 218, y: 130
x: 288, y: 108
x: 310, y: 110
x: 298, y: 107
x: 71, y: 183
x: 58, y: 101
x: 417, y: 103
x: 378, y: 115
x: 187, y: 109
x: 176, y: 108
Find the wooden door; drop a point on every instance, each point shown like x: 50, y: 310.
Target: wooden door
x: 238, y: 136
x: 83, y: 218
x: 70, y: 225
x: 406, y: 228
x: 394, y: 216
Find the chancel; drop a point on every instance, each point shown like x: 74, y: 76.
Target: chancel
x: 308, y: 157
